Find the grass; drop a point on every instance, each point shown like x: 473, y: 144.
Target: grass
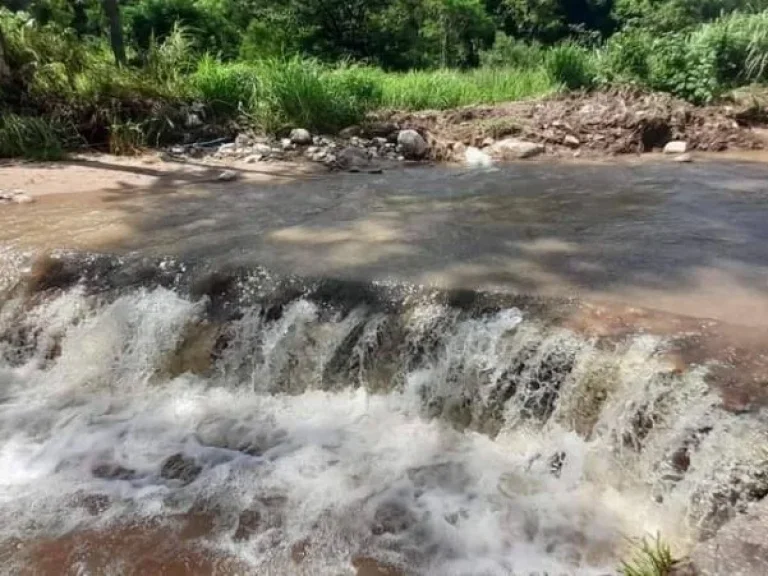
x: 30, y: 137
x: 652, y: 558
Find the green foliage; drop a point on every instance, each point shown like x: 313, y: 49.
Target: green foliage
x: 684, y: 68
x: 30, y: 137
x: 626, y: 57
x: 652, y: 558
x: 571, y: 65
x: 508, y: 52
x: 447, y: 88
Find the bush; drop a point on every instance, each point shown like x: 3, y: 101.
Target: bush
x: 625, y: 57
x: 684, y: 68
x: 571, y: 65
x: 510, y: 53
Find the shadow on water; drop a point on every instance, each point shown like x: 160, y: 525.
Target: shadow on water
x: 530, y: 228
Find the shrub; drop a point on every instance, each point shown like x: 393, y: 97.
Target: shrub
x: 571, y: 65
x: 685, y: 68
x: 625, y: 57
x: 510, y: 53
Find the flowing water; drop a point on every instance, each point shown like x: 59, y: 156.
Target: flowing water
x: 242, y: 423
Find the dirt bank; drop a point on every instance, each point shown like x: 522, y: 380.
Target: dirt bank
x: 627, y: 121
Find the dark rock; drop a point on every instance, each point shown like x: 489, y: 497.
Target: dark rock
x: 112, y: 471
x: 180, y: 467
x: 353, y: 159
x: 392, y: 517
x: 301, y: 137
x: 366, y: 566
x: 249, y: 522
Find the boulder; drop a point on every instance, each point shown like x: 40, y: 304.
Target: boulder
x: 739, y: 548
x: 676, y: 147
x: 515, y: 149
x: 301, y: 137
x: 412, y: 144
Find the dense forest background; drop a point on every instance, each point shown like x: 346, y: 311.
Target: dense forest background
x: 324, y: 63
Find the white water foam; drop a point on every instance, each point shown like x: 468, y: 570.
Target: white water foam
x: 354, y: 472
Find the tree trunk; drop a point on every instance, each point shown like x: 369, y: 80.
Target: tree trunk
x: 112, y: 11
x: 5, y: 68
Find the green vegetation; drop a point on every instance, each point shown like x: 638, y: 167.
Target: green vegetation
x: 124, y: 74
x: 652, y: 558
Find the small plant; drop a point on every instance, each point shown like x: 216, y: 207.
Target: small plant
x: 652, y: 558
x: 126, y: 139
x: 29, y: 136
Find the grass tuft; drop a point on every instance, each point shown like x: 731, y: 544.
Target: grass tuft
x: 652, y: 558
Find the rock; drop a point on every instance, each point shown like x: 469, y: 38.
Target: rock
x: 459, y: 150
x: 193, y: 120
x: 571, y: 141
x: 319, y: 156
x: 312, y: 150
x: 111, y: 471
x: 227, y: 148
x: 227, y: 176
x: 180, y: 467
x: 243, y: 141
x: 286, y: 144
x: 366, y: 566
x: 354, y: 159
x: 676, y: 147
x: 476, y: 158
x: 253, y: 158
x: 355, y: 141
x: 488, y: 142
x: 379, y: 141
x: 301, y: 137
x: 412, y: 145
x: 16, y: 196
x: 349, y: 132
x: 685, y: 158
x: 515, y: 149
x: 387, y: 130
x: 262, y: 148
x: 178, y: 150
x: 739, y: 548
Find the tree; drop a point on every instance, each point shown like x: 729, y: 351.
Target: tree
x: 112, y: 11
x: 462, y: 28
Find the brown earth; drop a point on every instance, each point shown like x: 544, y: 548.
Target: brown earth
x: 621, y: 121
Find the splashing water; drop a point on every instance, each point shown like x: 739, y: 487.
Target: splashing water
x: 431, y: 438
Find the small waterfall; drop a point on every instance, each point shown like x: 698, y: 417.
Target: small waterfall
x: 317, y: 423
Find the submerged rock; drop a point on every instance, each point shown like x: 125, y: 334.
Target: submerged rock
x: 180, y: 467
x: 353, y: 159
x: 412, y: 144
x: 227, y: 176
x: 684, y: 158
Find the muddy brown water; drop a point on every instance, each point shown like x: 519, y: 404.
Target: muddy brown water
x: 687, y: 239
x: 334, y: 437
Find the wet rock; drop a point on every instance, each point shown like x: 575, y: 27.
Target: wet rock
x: 180, y: 467
x: 740, y: 548
x: 94, y: 504
x: 286, y: 144
x: 392, y: 517
x: 15, y: 196
x: 301, y: 137
x: 366, y: 566
x: 227, y: 176
x: 476, y: 158
x: 112, y: 471
x: 388, y: 130
x: 676, y: 147
x: 412, y: 145
x: 571, y: 141
x: 193, y: 120
x: 352, y: 159
x: 253, y: 158
x: 684, y: 158
x: 488, y: 142
x: 249, y: 523
x: 227, y: 149
x: 300, y: 550
x: 515, y: 149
